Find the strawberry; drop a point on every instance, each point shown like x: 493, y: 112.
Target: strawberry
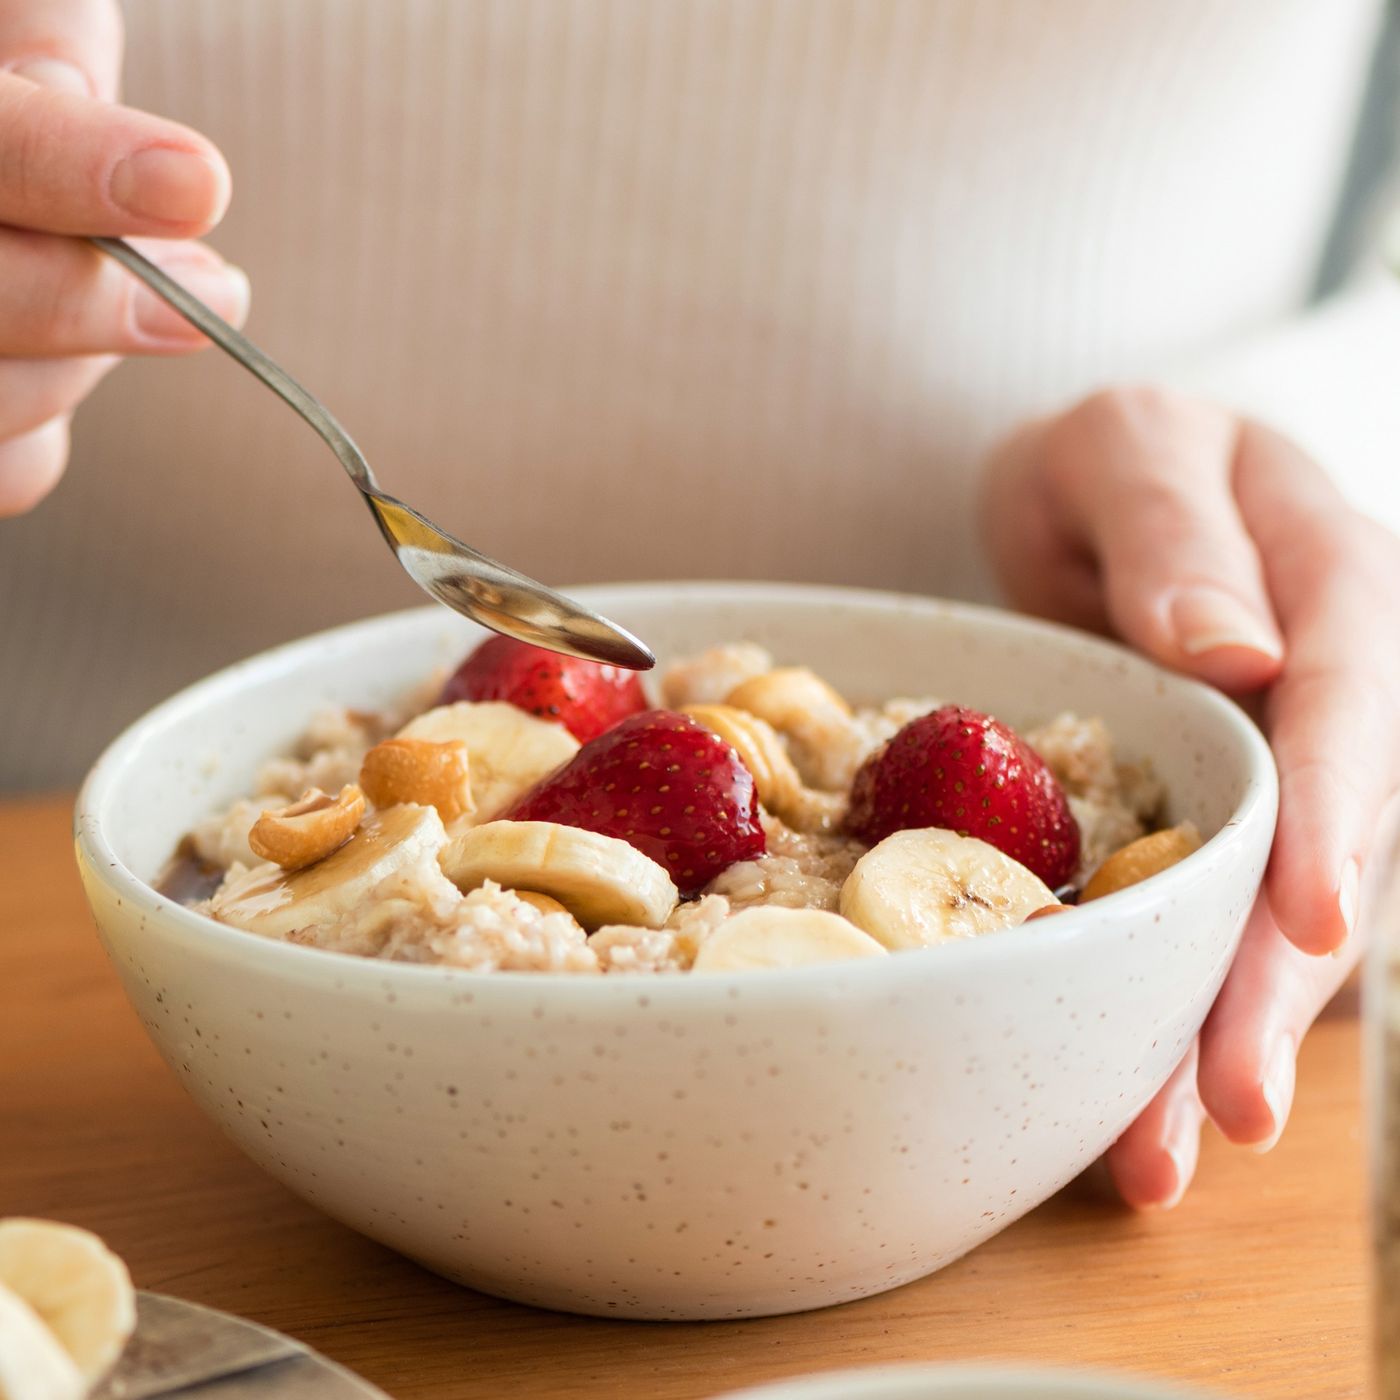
x: 664, y: 784
x: 586, y: 697
x: 968, y: 773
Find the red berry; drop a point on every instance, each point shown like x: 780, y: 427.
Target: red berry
x: 664, y: 784
x: 586, y: 697
x: 968, y: 773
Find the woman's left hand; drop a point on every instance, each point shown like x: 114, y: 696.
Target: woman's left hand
x: 1220, y: 549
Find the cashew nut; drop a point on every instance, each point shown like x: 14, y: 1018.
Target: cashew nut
x: 1046, y: 911
x: 419, y: 771
x: 1148, y: 855
x: 309, y: 830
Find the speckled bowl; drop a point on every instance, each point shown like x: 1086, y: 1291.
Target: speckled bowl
x: 719, y: 1146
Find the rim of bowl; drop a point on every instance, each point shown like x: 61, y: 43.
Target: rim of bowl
x: 296, y: 962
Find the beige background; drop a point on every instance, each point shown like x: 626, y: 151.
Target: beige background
x: 623, y: 289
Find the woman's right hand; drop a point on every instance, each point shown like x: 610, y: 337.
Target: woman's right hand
x: 72, y: 162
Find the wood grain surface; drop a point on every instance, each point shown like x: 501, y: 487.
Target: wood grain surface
x: 1254, y: 1286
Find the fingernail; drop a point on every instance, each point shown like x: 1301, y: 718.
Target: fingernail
x: 1279, y: 1081
x: 1208, y: 618
x: 55, y: 73
x: 1182, y: 1167
x: 1183, y: 1147
x: 225, y: 289
x: 1349, y: 894
x: 169, y: 185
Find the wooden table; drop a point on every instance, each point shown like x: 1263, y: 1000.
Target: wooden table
x: 1254, y: 1286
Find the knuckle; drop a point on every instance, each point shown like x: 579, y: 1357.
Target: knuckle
x: 1317, y: 787
x: 1165, y: 502
x: 1311, y: 559
x: 1374, y: 693
x: 80, y: 303
x: 1149, y: 427
x: 26, y: 149
x: 1335, y: 732
x: 30, y: 466
x: 1173, y: 519
x: 32, y: 395
x: 1345, y: 549
x: 1133, y: 410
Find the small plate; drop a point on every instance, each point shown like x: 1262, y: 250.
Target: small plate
x: 960, y: 1383
x: 179, y: 1346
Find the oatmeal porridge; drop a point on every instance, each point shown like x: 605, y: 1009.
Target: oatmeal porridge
x: 536, y: 813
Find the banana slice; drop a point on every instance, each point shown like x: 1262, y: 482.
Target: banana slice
x: 773, y: 936
x: 775, y: 776
x: 509, y: 751
x: 276, y: 902
x: 756, y: 742
x: 545, y: 903
x: 815, y: 719
x: 78, y: 1289
x: 927, y: 886
x: 708, y: 676
x: 32, y: 1364
x: 598, y: 879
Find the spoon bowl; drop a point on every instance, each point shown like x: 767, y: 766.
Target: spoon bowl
x: 498, y: 597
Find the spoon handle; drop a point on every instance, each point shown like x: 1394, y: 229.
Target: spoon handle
x: 248, y: 355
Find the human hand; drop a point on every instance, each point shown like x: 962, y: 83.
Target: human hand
x: 1219, y: 549
x: 72, y: 162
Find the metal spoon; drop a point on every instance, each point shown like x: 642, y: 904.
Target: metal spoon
x: 448, y: 570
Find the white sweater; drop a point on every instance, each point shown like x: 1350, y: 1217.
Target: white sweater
x: 631, y: 288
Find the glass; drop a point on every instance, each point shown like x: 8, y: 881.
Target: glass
x: 1380, y: 918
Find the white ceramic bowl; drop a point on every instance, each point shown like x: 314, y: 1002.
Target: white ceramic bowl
x: 960, y: 1383
x: 688, y: 1147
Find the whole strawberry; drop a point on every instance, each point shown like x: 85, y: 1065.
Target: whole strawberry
x: 664, y: 784
x: 968, y: 773
x: 586, y: 697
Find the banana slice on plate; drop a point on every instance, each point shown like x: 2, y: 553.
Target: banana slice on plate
x: 509, y: 751
x: 276, y: 902
x: 773, y: 936
x: 926, y: 886
x: 79, y: 1294
x: 32, y: 1364
x: 598, y: 879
